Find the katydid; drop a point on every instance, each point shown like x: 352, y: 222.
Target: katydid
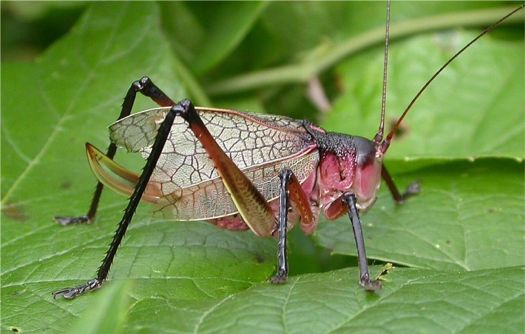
x: 243, y: 171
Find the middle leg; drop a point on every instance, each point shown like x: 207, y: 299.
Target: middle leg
x: 290, y: 189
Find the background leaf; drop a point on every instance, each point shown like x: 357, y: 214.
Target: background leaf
x: 208, y: 31
x: 481, y: 116
x: 466, y: 228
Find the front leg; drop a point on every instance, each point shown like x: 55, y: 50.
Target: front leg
x: 364, y: 276
x: 413, y: 189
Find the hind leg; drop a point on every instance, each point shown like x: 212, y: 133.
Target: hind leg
x: 147, y: 88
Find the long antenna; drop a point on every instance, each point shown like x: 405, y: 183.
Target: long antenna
x: 380, y: 132
x: 386, y: 143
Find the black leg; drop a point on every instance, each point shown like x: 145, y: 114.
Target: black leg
x: 282, y: 226
x: 147, y: 88
x: 364, y: 275
x: 413, y: 189
x: 180, y: 109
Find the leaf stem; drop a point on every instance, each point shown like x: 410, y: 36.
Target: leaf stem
x: 315, y: 64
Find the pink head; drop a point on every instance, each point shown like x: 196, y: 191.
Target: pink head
x: 348, y: 164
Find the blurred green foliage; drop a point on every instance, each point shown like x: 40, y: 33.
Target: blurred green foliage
x: 29, y: 27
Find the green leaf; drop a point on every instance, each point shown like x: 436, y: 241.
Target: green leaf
x: 331, y: 303
x: 107, y: 313
x: 184, y: 261
x: 468, y: 216
x: 473, y: 109
x: 333, y: 307
x: 484, y: 301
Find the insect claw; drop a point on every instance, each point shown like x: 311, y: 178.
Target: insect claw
x: 413, y: 189
x: 279, y: 278
x: 66, y: 293
x: 369, y: 284
x: 64, y: 220
x: 71, y: 293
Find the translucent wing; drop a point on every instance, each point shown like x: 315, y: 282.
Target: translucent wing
x: 260, y: 145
